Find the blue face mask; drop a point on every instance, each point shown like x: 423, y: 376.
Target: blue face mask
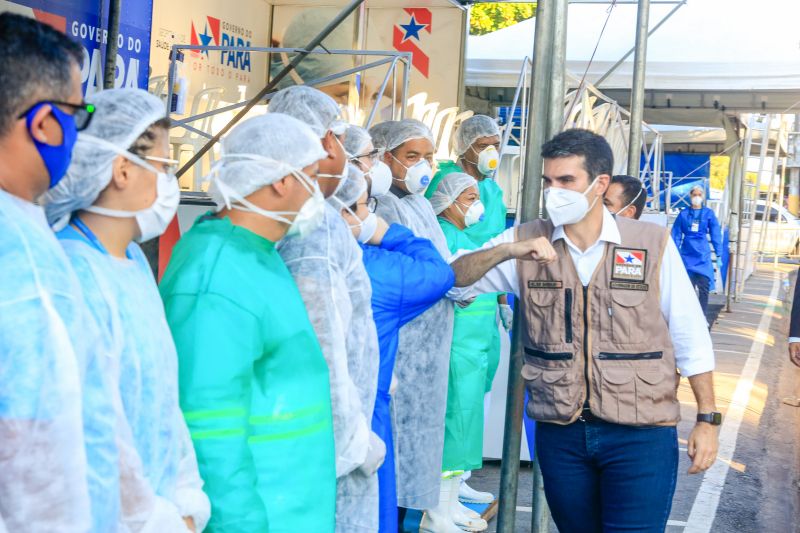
x: 56, y: 158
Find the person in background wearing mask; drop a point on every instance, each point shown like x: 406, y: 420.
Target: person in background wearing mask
x: 477, y: 143
x: 253, y: 381
x: 45, y: 362
x: 327, y: 267
x: 424, y: 350
x: 408, y: 276
x: 626, y: 197
x: 691, y: 232
x: 608, y: 317
x: 458, y: 204
x: 367, y: 158
x: 120, y: 188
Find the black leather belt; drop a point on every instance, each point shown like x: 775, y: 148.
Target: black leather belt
x: 588, y: 416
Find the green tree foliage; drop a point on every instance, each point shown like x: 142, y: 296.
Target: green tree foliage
x: 487, y: 17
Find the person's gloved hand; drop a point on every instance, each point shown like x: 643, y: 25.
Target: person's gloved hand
x: 463, y: 304
x: 375, y: 455
x: 719, y: 264
x: 507, y: 316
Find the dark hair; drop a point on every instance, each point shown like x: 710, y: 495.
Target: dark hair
x: 146, y: 140
x: 597, y: 155
x: 632, y: 188
x: 36, y: 62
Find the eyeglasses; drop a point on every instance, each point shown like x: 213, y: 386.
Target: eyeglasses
x: 81, y: 113
x: 373, y: 157
x: 169, y: 166
x: 371, y: 203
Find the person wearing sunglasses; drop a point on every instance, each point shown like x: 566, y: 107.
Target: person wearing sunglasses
x: 120, y: 190
x: 408, y: 276
x: 45, y: 363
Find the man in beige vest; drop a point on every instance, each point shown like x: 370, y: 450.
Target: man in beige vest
x: 606, y: 326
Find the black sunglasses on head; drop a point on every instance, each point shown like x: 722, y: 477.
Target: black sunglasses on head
x: 81, y: 113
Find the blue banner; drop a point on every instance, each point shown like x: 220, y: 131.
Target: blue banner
x: 81, y: 20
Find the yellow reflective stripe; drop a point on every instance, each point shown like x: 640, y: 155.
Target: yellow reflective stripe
x: 192, y: 416
x: 285, y: 417
x: 217, y: 434
x: 316, y: 428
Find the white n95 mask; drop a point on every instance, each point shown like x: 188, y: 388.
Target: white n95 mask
x: 565, y: 207
x: 488, y: 160
x: 474, y: 213
x: 417, y: 177
x: 152, y: 221
x: 697, y: 201
x: 380, y: 176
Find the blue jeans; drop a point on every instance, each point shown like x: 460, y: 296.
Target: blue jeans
x: 602, y: 477
x: 700, y: 284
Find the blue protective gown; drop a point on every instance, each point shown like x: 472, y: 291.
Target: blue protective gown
x: 408, y: 276
x: 691, y: 231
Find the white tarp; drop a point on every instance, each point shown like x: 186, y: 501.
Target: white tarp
x: 707, y: 45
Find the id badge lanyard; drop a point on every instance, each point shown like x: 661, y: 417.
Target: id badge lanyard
x: 91, y: 237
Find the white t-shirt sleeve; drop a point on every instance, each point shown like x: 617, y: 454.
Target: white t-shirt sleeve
x: 688, y: 329
x: 502, y: 278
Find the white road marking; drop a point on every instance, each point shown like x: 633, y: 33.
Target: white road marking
x: 704, y: 509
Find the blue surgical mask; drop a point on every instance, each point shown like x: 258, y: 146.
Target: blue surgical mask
x: 56, y: 158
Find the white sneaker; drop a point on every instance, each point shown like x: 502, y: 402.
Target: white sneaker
x: 469, y: 495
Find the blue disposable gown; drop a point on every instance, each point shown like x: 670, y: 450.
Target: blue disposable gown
x: 691, y: 231
x: 408, y: 276
x: 253, y: 383
x: 44, y: 334
x: 159, y: 478
x: 421, y: 369
x: 328, y: 269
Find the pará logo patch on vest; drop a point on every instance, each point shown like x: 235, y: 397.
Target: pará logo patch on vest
x: 629, y: 264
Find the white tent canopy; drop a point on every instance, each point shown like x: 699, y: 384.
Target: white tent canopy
x: 708, y: 45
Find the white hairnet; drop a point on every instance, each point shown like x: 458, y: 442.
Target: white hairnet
x: 379, y: 133
x: 301, y: 30
x: 310, y: 106
x: 276, y: 145
x: 698, y: 188
x: 122, y: 116
x: 473, y: 129
x: 353, y: 186
x: 357, y: 140
x: 449, y: 188
x: 407, y: 130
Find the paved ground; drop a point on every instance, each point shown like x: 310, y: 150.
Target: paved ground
x: 755, y: 485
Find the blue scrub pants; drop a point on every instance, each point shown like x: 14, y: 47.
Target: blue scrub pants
x: 700, y: 284
x: 606, y: 478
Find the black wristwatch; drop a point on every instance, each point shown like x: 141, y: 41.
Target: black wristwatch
x: 715, y: 418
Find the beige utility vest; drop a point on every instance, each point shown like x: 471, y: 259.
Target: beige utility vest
x: 607, y: 341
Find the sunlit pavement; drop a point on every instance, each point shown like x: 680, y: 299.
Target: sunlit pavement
x: 755, y: 484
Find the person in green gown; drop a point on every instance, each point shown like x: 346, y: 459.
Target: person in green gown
x: 254, y: 385
x: 458, y: 205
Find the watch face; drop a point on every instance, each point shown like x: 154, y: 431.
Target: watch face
x: 716, y: 418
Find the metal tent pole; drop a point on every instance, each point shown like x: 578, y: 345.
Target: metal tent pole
x: 112, y: 44
x: 529, y: 210
x: 637, y: 92
x: 558, y: 58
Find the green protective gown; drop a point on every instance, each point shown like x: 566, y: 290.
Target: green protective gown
x: 475, y: 340
x: 492, y: 225
x: 253, y: 383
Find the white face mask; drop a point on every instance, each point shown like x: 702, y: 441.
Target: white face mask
x: 380, y: 176
x: 305, y: 220
x: 565, y: 207
x: 152, y: 221
x: 488, y: 160
x: 697, y: 201
x: 367, y: 227
x: 417, y: 177
x: 473, y: 214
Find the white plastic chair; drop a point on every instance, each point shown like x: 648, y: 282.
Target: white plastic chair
x: 157, y: 86
x: 203, y: 102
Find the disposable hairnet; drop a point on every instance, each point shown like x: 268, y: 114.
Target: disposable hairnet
x: 353, y: 186
x: 301, y: 30
x: 121, y: 117
x: 380, y: 132
x: 698, y: 188
x: 357, y: 140
x: 308, y: 105
x: 284, y: 143
x: 473, y: 129
x: 450, y: 187
x: 407, y: 130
